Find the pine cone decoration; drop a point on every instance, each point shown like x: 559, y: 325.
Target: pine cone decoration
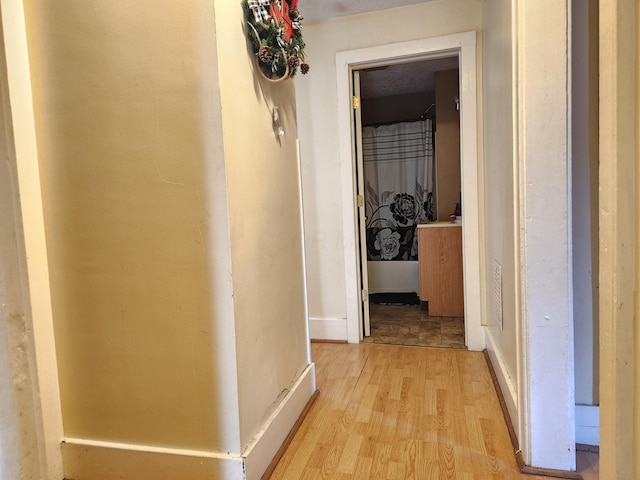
x: 265, y: 54
x: 293, y: 62
x: 304, y: 68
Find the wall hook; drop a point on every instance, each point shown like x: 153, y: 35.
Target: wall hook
x: 276, y: 122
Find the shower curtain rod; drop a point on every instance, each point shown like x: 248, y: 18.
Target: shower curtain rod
x: 424, y: 116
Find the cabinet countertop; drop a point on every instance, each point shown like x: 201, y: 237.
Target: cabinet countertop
x: 448, y: 223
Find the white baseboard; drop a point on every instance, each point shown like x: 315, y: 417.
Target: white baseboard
x: 588, y: 424
x: 508, y: 388
x: 259, y: 454
x: 328, y: 329
x: 96, y: 460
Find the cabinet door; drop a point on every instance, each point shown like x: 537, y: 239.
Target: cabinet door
x: 440, y: 263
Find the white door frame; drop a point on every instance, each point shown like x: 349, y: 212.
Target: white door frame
x: 40, y: 344
x: 362, y: 230
x: 463, y: 44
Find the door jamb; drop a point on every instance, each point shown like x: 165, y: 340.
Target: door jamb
x: 464, y: 44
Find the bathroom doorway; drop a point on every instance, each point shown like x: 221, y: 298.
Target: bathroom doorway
x: 462, y: 45
x: 398, y: 111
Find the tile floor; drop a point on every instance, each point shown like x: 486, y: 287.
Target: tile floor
x: 588, y: 462
x: 411, y: 325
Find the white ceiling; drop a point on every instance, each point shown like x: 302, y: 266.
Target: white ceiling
x: 316, y: 10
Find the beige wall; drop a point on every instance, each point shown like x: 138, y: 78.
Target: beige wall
x: 619, y: 245
x: 159, y: 179
x: 265, y: 226
x: 317, y: 114
x: 118, y: 94
x: 499, y: 215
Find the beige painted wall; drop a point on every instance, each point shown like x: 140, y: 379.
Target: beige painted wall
x: 159, y: 179
x: 124, y: 100
x: 619, y: 246
x: 317, y: 115
x: 499, y: 212
x: 265, y: 226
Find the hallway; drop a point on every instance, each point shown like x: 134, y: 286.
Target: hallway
x: 397, y: 412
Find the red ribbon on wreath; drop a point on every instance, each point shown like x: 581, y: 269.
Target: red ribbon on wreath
x: 281, y: 17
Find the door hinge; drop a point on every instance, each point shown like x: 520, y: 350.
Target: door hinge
x: 365, y: 295
x: 356, y: 102
x: 360, y: 200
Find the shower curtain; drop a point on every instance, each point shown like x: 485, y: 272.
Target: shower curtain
x: 398, y: 175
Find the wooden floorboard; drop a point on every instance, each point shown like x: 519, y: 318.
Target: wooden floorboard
x: 395, y: 412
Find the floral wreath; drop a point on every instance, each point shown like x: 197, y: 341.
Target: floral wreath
x: 275, y: 34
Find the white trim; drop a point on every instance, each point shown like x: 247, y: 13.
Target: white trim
x: 463, y: 44
x: 131, y: 447
x: 328, y: 328
x: 546, y: 422
x: 142, y: 462
x: 145, y: 462
x: 474, y: 331
x: 521, y: 424
x: 588, y: 424
x: 506, y: 382
x: 304, y: 249
x: 41, y: 317
x: 259, y: 454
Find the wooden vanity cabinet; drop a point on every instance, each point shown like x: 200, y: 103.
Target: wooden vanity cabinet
x: 440, y: 266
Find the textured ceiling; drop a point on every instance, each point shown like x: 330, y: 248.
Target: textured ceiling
x: 380, y: 82
x: 403, y: 78
x: 316, y: 10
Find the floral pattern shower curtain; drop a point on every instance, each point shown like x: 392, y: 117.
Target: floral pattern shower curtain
x: 398, y: 175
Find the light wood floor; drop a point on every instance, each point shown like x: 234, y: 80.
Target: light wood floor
x: 397, y: 412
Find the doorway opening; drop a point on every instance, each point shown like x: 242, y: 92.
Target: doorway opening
x: 408, y: 161
x: 463, y: 46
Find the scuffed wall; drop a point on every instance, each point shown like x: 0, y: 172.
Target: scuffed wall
x: 265, y: 226
x: 21, y: 454
x: 173, y: 226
